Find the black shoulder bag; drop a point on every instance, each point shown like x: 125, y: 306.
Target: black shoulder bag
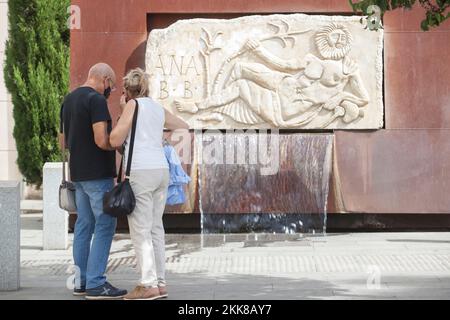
x: 120, y: 201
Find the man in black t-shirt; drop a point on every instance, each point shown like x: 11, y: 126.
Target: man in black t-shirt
x: 85, y: 128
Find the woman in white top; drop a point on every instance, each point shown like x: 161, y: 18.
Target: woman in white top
x: 149, y: 179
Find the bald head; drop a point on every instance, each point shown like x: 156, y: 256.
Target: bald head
x: 101, y: 71
x: 102, y: 79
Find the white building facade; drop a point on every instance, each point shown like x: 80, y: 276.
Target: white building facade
x: 8, y: 151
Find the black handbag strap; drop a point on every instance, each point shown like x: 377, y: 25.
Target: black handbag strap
x: 119, y: 177
x: 64, y: 155
x: 131, y: 146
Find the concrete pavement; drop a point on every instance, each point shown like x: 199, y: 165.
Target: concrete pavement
x: 260, y: 266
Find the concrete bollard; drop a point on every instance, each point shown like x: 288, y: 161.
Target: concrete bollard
x: 56, y: 220
x: 9, y: 235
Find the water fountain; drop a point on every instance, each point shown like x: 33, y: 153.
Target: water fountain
x: 233, y: 79
x: 235, y: 197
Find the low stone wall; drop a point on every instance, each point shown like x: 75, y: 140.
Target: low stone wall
x: 56, y: 222
x: 10, y: 235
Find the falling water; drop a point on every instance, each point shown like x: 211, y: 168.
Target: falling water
x: 237, y: 198
x: 326, y: 173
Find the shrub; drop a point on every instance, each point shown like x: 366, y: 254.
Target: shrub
x: 37, y: 76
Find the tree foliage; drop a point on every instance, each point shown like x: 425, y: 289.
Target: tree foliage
x: 37, y: 75
x: 436, y: 11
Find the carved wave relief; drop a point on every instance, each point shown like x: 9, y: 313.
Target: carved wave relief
x: 277, y: 71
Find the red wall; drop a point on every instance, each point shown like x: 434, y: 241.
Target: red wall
x: 115, y: 31
x: 402, y: 168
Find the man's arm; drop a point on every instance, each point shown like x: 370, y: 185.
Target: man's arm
x: 100, y: 118
x: 274, y: 61
x: 101, y: 136
x: 358, y: 94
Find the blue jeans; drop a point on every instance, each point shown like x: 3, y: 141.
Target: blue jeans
x: 92, y: 259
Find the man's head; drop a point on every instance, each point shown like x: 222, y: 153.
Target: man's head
x: 102, y: 78
x: 333, y: 41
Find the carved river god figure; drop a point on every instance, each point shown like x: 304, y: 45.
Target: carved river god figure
x: 256, y: 87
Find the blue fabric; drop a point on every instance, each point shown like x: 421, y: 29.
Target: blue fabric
x: 178, y: 178
x: 92, y: 222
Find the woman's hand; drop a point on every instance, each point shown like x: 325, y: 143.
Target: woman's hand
x: 123, y: 102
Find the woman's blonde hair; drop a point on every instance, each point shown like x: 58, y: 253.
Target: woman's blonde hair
x: 136, y: 83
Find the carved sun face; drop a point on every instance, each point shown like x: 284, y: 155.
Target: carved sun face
x: 337, y: 39
x: 333, y: 41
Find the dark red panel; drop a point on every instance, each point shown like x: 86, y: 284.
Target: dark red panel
x: 409, y: 20
x: 394, y: 171
x: 112, y: 15
x: 215, y: 6
x: 123, y: 51
x: 417, y: 77
x: 130, y: 16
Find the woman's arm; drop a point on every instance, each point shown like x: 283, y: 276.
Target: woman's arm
x: 173, y: 122
x: 121, y: 130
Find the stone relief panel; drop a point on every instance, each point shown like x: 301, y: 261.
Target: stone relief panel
x: 277, y: 71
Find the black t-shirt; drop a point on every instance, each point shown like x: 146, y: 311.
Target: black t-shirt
x: 81, y: 109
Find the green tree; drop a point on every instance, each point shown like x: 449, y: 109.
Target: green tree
x: 436, y: 11
x: 37, y: 76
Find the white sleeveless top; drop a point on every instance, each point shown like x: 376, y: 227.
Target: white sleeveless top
x: 148, y: 152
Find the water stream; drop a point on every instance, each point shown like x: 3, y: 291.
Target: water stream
x: 236, y: 197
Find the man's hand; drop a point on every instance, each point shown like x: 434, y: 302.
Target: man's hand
x: 252, y: 44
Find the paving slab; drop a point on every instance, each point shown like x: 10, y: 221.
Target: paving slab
x: 350, y: 266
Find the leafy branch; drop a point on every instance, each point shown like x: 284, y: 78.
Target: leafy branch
x: 436, y: 11
x: 209, y: 47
